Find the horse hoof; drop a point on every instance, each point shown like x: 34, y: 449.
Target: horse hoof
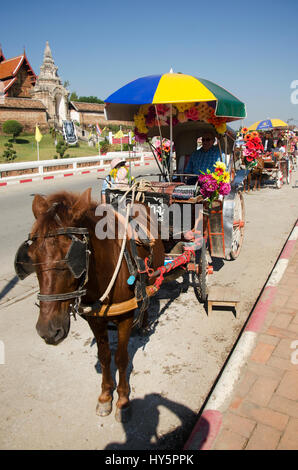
x: 123, y: 415
x: 104, y: 409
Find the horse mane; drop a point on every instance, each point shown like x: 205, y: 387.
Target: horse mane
x: 60, y: 203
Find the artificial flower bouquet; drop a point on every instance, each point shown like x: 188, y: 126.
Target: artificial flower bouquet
x: 253, y: 147
x: 163, y: 150
x: 121, y: 175
x: 150, y: 116
x: 214, y: 184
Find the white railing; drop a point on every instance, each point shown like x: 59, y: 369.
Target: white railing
x: 75, y: 165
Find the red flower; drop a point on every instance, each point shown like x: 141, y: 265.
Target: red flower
x: 162, y: 109
x: 250, y: 145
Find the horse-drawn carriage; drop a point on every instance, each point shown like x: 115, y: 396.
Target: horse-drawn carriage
x: 183, y: 119
x: 268, y: 166
x: 275, y: 165
x: 211, y: 230
x: 106, y: 278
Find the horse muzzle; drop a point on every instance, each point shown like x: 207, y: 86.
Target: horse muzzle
x: 53, y: 332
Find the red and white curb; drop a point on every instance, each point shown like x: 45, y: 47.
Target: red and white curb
x: 23, y: 179
x: 209, y: 423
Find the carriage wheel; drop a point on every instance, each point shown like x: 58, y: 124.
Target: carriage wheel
x: 238, y: 226
x: 199, y: 280
x: 279, y: 179
x: 289, y: 172
x: 289, y: 178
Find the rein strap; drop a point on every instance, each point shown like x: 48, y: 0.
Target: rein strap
x: 66, y: 296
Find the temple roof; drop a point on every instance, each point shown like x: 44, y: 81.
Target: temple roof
x: 1, y: 54
x: 88, y: 107
x: 7, y: 83
x: 9, y: 69
x: 22, y: 103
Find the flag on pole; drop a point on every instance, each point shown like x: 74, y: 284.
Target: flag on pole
x: 119, y: 135
x: 98, y: 129
x: 38, y: 134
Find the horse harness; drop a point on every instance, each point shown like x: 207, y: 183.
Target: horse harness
x: 77, y: 261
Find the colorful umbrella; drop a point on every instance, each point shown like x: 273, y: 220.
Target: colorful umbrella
x: 171, y: 88
x: 267, y: 124
x: 172, y: 100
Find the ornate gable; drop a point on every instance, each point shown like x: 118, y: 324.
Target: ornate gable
x: 16, y: 75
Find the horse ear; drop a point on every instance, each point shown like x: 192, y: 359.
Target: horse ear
x: 82, y: 204
x: 39, y: 205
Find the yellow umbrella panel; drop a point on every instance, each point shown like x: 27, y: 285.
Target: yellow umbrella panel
x: 267, y: 124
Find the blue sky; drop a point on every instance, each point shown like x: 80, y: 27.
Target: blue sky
x: 250, y: 48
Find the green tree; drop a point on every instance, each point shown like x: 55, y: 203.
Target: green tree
x: 73, y: 96
x: 9, y: 153
x: 104, y: 146
x: 90, y: 99
x: 61, y: 148
x: 12, y: 127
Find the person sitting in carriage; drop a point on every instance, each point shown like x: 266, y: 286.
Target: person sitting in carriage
x: 204, y: 158
x: 267, y: 142
x: 119, y: 174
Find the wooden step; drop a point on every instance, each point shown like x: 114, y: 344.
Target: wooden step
x: 222, y: 297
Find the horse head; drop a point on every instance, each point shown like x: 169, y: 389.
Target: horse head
x: 57, y: 243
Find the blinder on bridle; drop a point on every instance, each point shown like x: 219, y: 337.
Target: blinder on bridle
x: 76, y: 259
x: 22, y: 263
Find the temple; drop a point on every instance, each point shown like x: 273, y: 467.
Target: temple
x: 42, y: 99
x: 50, y: 91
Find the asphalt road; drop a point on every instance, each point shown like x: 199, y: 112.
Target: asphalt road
x: 16, y: 207
x: 48, y: 394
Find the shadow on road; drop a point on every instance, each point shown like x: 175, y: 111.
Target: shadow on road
x: 10, y: 285
x: 170, y: 291
x: 142, y: 432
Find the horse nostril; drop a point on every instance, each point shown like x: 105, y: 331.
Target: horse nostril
x: 59, y: 334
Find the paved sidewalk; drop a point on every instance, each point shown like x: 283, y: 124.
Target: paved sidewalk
x: 262, y: 410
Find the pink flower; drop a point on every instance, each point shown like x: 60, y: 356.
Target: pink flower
x: 192, y: 114
x: 224, y: 189
x: 208, y: 185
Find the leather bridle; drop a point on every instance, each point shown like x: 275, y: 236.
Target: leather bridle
x: 78, y: 249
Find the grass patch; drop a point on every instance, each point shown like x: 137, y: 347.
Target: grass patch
x: 26, y: 148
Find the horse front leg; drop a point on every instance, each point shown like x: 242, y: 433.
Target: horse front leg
x: 121, y: 358
x: 99, y: 328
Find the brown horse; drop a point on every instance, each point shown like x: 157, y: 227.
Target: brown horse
x: 62, y: 218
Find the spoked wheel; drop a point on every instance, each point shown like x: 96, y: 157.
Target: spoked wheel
x: 200, y: 280
x: 238, y: 226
